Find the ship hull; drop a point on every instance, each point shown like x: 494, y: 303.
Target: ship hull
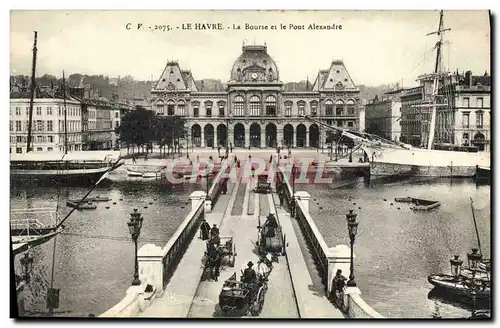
x: 88, y: 176
x: 424, y: 162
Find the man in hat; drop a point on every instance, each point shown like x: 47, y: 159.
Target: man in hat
x: 249, y: 275
x: 214, y: 231
x: 205, y: 229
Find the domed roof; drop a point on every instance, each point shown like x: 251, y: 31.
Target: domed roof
x: 254, y: 65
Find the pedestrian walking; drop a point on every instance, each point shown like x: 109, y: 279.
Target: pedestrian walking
x: 133, y: 159
x: 230, y: 147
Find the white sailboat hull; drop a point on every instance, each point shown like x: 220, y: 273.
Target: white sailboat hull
x: 424, y: 162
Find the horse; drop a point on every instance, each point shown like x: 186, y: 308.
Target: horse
x: 213, y: 259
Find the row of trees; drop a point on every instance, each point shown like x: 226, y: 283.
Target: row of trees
x: 141, y: 128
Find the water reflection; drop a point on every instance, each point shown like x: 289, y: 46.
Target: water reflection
x: 94, y: 254
x: 397, y: 248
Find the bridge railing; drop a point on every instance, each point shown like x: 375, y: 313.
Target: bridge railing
x: 327, y: 260
x: 158, y: 264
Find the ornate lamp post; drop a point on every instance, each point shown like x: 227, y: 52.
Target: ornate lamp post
x: 456, y: 266
x: 134, y: 226
x: 352, y: 224
x: 27, y: 263
x: 474, y: 258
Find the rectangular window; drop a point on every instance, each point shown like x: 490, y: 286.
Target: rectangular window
x: 465, y: 102
x: 350, y: 111
x: 314, y: 109
x: 239, y: 108
x: 39, y: 125
x: 39, y: 139
x: 221, y: 109
x: 329, y: 110
x: 160, y: 110
x: 19, y: 150
x: 288, y: 109
x: 19, y: 126
x: 19, y: 139
x: 301, y: 109
x: 339, y: 111
x: 208, y: 108
x: 339, y: 123
x: 350, y: 124
x: 39, y: 111
x: 116, y: 115
x: 18, y: 111
x: 465, y: 120
x: 50, y: 126
x: 479, y: 120
x: 117, y: 124
x: 50, y: 149
x: 196, y: 111
x: 479, y: 102
x: 11, y: 126
x: 50, y: 139
x: 39, y: 149
x: 27, y: 111
x: 170, y: 109
x: 181, y: 109
x: 49, y: 110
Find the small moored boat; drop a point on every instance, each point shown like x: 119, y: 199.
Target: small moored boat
x: 82, y: 206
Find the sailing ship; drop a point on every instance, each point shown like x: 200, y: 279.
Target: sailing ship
x: 427, y: 162
x: 86, y: 166
x: 391, y: 158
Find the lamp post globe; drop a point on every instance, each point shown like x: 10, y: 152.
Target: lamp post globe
x: 352, y: 225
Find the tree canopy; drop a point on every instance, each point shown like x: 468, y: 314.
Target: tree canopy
x: 142, y: 127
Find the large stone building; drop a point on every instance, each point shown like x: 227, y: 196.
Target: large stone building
x: 382, y: 115
x: 254, y: 109
x: 47, y: 123
x: 462, y: 118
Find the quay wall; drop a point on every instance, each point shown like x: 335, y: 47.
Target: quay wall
x: 157, y: 264
x: 327, y: 260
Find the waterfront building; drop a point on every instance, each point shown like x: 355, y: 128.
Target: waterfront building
x: 47, y: 122
x: 255, y: 108
x: 463, y: 119
x: 382, y: 115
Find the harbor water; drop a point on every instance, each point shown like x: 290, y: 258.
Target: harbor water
x: 397, y: 248
x: 94, y: 256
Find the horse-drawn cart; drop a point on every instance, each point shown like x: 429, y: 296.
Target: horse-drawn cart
x: 263, y: 184
x: 270, y: 238
x: 237, y: 297
x: 218, y: 250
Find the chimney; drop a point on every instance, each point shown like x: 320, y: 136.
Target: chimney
x: 468, y: 78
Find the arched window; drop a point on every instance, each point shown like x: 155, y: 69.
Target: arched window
x: 301, y: 107
x: 239, y: 106
x: 160, y: 108
x: 329, y: 108
x: 271, y: 106
x: 288, y: 108
x: 181, y: 108
x: 254, y: 106
x: 170, y: 108
x: 350, y: 107
x: 339, y: 108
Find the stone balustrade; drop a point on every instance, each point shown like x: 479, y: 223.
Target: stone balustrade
x: 328, y: 260
x: 157, y: 264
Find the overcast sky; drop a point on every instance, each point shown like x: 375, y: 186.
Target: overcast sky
x: 377, y: 47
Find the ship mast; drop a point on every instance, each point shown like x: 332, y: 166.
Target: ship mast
x: 437, y: 75
x: 65, y: 118
x: 32, y: 95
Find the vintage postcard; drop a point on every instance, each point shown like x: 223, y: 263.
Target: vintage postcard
x: 250, y: 164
